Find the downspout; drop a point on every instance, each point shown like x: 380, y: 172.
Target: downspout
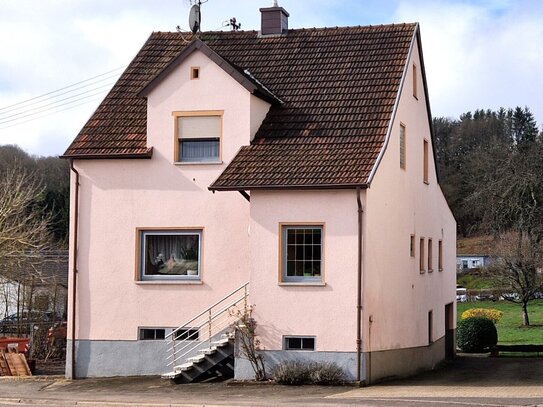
x: 74, y: 264
x: 359, y: 290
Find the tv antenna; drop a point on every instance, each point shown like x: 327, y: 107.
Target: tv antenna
x: 195, y: 16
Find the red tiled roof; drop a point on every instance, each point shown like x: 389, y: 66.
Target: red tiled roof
x: 338, y: 87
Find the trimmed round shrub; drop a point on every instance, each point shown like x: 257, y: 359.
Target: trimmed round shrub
x: 476, y: 335
x: 489, y: 313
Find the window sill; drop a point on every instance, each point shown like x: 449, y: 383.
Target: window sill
x: 422, y: 271
x: 440, y: 270
x: 167, y: 282
x: 431, y: 271
x: 427, y: 182
x: 302, y: 283
x: 198, y: 163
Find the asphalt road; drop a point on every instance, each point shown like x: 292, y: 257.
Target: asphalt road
x: 466, y: 381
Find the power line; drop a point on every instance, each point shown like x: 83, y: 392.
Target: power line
x: 50, y: 114
x: 52, y: 108
x: 34, y: 101
x: 61, y: 89
x: 52, y: 104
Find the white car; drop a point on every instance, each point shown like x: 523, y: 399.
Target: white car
x: 461, y: 294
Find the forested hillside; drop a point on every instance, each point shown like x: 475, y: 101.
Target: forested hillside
x: 52, y: 178
x: 489, y: 165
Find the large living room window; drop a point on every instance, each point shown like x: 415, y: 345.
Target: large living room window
x: 302, y: 253
x: 170, y: 254
x: 198, y: 138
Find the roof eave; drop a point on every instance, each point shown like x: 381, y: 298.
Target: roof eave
x: 146, y: 155
x: 287, y: 187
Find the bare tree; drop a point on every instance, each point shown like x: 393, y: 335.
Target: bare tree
x: 24, y: 227
x: 517, y: 269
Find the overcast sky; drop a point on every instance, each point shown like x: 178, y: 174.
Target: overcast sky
x: 478, y: 53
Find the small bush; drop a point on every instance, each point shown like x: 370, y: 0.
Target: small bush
x: 489, y: 313
x: 327, y: 374
x: 291, y: 372
x: 476, y: 334
x: 294, y: 372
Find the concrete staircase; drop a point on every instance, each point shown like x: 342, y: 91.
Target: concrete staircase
x: 215, y: 361
x: 202, y: 348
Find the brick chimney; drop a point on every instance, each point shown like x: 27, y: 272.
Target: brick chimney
x: 274, y: 20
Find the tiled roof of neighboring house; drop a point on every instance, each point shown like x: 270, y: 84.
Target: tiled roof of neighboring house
x: 338, y: 87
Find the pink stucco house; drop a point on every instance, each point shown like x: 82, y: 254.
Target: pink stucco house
x: 295, y: 165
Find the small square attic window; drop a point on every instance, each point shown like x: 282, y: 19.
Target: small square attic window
x: 194, y: 72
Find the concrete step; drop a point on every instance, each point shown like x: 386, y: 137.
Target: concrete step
x: 208, y: 351
x: 221, y: 342
x: 184, y: 367
x: 196, y: 359
x: 170, y: 375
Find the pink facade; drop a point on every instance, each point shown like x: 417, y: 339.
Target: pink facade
x: 119, y: 196
x: 407, y: 245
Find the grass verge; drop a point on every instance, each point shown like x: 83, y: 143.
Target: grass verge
x: 510, y: 329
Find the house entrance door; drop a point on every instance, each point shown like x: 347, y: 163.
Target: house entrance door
x: 449, y: 331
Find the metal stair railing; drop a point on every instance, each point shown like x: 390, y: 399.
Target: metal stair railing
x: 207, y: 324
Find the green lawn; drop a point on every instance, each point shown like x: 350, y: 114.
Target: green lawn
x: 510, y: 329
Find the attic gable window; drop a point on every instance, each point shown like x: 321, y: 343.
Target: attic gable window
x: 425, y: 161
x: 415, y: 84
x: 198, y: 137
x: 194, y: 72
x: 402, y: 147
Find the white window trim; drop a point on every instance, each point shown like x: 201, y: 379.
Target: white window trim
x: 177, y: 136
x: 299, y: 280
x: 302, y: 337
x: 141, y: 250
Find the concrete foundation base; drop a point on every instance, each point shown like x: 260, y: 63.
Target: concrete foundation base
x: 117, y: 358
x: 345, y: 360
x: 403, y: 362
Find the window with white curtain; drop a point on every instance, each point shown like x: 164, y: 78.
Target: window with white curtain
x: 199, y: 138
x: 170, y: 254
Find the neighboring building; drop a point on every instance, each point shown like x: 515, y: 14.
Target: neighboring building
x: 472, y: 261
x: 298, y: 160
x: 40, y: 283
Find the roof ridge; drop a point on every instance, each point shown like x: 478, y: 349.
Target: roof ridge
x: 301, y: 29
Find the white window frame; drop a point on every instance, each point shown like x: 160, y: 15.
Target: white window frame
x: 302, y: 338
x: 142, y: 233
x: 178, y: 116
x: 284, y: 253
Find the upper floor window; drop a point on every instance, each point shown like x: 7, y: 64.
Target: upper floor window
x: 430, y: 256
x: 415, y: 84
x: 170, y: 254
x: 425, y: 162
x: 402, y: 146
x: 198, y: 137
x: 440, y: 255
x: 421, y: 255
x: 302, y: 253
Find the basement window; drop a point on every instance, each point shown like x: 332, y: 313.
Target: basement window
x: 151, y: 334
x: 187, y: 334
x: 306, y: 343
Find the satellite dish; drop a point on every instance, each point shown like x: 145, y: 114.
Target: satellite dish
x: 194, y: 18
